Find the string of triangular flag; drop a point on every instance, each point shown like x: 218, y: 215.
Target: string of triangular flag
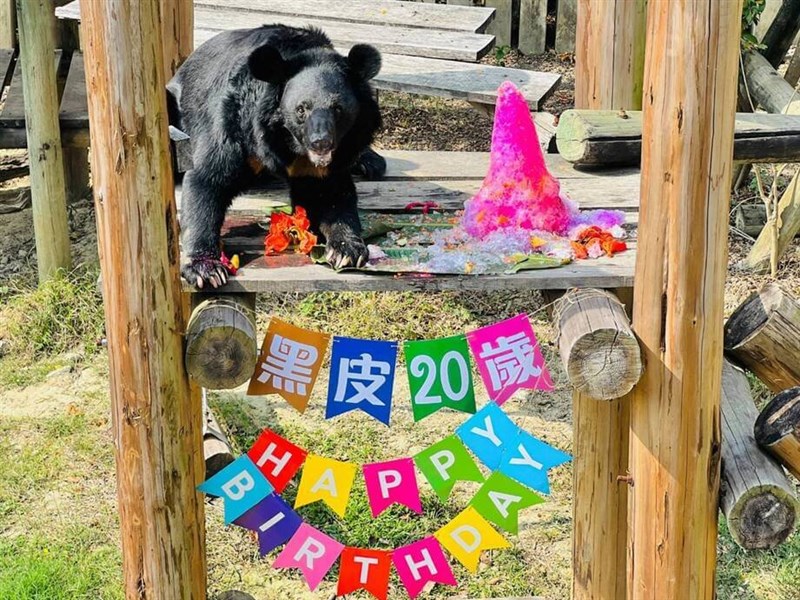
x: 362, y: 372
x: 251, y: 488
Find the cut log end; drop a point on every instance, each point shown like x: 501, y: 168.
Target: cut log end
x: 221, y: 343
x: 777, y: 429
x: 598, y: 349
x: 763, y: 517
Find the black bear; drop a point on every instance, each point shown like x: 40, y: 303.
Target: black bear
x: 275, y: 100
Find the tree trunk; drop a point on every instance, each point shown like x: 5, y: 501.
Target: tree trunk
x: 40, y: 93
x: 778, y: 429
x: 782, y: 31
x: 157, y: 422
x: 757, y: 498
x: 763, y: 334
x: 177, y: 25
x: 690, y: 99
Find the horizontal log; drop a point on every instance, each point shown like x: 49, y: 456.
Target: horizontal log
x: 778, y: 429
x: 221, y: 343
x: 217, y: 450
x: 756, y: 497
x: 610, y: 137
x: 763, y: 334
x: 598, y: 349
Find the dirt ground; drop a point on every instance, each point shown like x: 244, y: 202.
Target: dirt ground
x: 56, y: 419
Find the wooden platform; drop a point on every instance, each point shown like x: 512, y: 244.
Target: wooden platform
x: 414, y: 38
x: 448, y: 178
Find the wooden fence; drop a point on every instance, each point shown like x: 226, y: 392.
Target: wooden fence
x: 532, y: 26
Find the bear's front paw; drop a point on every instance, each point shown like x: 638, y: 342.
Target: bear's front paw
x: 202, y: 269
x: 350, y: 251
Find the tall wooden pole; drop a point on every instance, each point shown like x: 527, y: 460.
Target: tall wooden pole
x: 177, y: 26
x: 609, y: 62
x: 157, y: 424
x: 609, y: 54
x: 40, y: 93
x: 689, y: 102
x: 8, y: 24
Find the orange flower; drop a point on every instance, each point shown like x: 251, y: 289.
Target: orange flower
x: 287, y: 231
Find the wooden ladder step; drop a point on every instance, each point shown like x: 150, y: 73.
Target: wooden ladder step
x: 6, y: 65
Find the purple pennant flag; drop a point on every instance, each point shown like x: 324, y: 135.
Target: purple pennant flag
x: 273, y: 520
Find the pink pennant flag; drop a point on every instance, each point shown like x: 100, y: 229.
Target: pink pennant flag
x: 509, y: 358
x: 392, y: 482
x: 312, y: 552
x: 420, y: 563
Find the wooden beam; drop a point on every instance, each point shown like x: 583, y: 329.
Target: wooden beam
x: 687, y: 154
x: 614, y: 137
x: 757, y: 499
x: 40, y: 93
x: 609, y: 54
x: 763, y: 334
x: 781, y: 32
x: 609, y: 33
x: 157, y: 423
x: 778, y: 429
x: 177, y: 26
x: 8, y: 24
x: 532, y: 26
x: 221, y: 344
x: 566, y: 24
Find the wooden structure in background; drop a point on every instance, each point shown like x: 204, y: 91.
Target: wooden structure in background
x: 157, y: 421
x: 756, y: 497
x: 8, y: 24
x: 778, y: 429
x: 763, y: 334
x: 37, y: 47
x: 678, y: 297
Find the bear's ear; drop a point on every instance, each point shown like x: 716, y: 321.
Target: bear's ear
x: 267, y: 64
x: 365, y: 61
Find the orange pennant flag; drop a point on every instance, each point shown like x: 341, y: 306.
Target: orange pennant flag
x: 289, y: 363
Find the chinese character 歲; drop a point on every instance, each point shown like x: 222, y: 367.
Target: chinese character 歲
x: 511, y: 361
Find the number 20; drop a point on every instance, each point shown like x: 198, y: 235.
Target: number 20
x: 425, y: 366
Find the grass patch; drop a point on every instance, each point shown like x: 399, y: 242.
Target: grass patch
x: 35, y: 568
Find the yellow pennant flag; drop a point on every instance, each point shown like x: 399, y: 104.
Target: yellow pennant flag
x: 327, y: 480
x: 467, y: 535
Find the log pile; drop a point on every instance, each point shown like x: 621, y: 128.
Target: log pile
x: 778, y: 429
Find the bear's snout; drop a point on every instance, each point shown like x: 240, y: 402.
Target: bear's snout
x: 321, y: 136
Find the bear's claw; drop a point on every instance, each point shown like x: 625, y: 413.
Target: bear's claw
x: 202, y: 269
x: 347, y: 253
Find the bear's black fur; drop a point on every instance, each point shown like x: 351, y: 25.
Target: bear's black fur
x: 280, y: 101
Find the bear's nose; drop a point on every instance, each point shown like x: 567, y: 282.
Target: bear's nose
x: 321, y: 145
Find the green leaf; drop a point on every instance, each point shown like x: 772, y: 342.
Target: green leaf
x: 537, y: 261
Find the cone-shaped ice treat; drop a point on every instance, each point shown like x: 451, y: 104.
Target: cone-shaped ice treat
x: 518, y: 191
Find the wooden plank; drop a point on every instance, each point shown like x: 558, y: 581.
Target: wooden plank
x: 603, y: 137
x: 16, y: 138
x: 74, y: 112
x: 13, y: 113
x: 431, y: 43
x: 566, y: 22
x: 500, y: 27
x: 6, y: 66
x: 532, y: 26
x: 307, y: 277
x: 469, y: 18
x: 8, y: 24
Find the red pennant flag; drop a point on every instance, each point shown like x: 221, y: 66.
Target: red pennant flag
x: 365, y: 570
x: 277, y: 458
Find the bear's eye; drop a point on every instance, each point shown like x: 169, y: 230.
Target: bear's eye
x: 301, y: 112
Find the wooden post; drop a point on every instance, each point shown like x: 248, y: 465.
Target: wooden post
x: 609, y: 54
x: 40, y: 93
x: 778, y: 429
x: 157, y: 423
x: 609, y: 32
x: 689, y: 103
x: 763, y: 334
x: 532, y: 26
x: 177, y: 26
x: 757, y: 498
x: 8, y: 24
x: 221, y: 343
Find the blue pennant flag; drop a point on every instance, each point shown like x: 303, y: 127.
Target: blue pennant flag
x: 274, y: 521
x: 241, y: 485
x: 528, y: 459
x: 362, y: 377
x: 486, y: 433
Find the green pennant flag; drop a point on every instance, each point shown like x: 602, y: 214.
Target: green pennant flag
x: 439, y: 375
x: 501, y: 498
x: 445, y: 463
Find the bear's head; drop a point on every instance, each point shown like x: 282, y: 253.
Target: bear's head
x: 322, y: 94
